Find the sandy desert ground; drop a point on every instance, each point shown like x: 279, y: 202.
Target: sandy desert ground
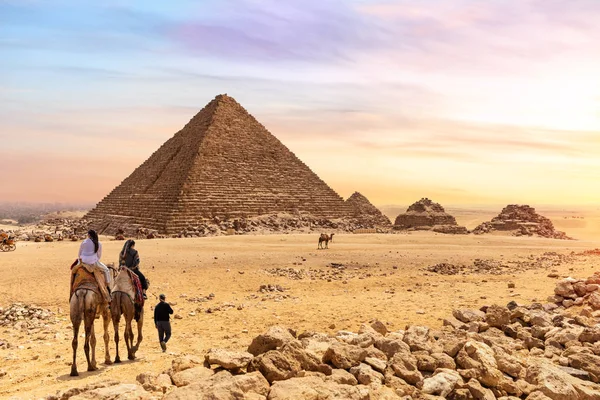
x: 383, y: 279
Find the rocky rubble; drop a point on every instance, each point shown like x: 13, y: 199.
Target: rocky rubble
x: 521, y: 220
x: 576, y: 292
x: 25, y: 316
x: 336, y: 272
x: 533, y: 352
x: 278, y: 223
x: 366, y: 213
x: 495, y: 267
x: 55, y: 229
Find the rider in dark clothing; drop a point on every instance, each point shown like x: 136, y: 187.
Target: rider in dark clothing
x: 130, y: 258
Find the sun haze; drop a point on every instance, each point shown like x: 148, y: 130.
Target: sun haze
x: 464, y: 101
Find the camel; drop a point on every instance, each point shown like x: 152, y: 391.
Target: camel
x: 123, y: 296
x: 325, y: 238
x: 86, y: 302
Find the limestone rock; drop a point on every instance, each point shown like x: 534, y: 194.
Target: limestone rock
x: 391, y: 346
x: 344, y: 356
x: 442, y: 383
x: 419, y: 338
x: 230, y: 360
x: 223, y: 386
x: 122, y: 391
x: 405, y: 367
x: 365, y: 375
x: 342, y: 377
x: 275, y: 366
x: 275, y: 337
x: 191, y: 375
x: 497, y: 316
x: 313, y: 388
x: 466, y: 315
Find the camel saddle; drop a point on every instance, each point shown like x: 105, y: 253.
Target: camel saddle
x: 85, y: 276
x: 129, y: 283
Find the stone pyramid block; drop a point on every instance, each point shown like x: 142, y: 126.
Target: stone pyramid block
x: 224, y: 164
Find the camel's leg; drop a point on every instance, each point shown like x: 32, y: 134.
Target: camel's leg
x: 126, y: 336
x: 88, y: 318
x: 128, y: 313
x: 140, y: 337
x: 116, y: 317
x: 106, y: 317
x: 76, y: 312
x: 93, y: 347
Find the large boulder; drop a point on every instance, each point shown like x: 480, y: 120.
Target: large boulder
x: 275, y: 366
x: 419, y: 338
x: 390, y: 346
x: 466, y: 315
x: 405, y: 366
x: 223, y: 386
x: 275, y: 337
x: 190, y: 375
x: 230, y: 360
x: 587, y: 362
x: 315, y: 388
x: 551, y: 381
x: 344, y: 356
x: 497, y: 316
x: 122, y: 391
x: 185, y: 362
x: 366, y: 375
x: 442, y: 383
x: 479, y: 361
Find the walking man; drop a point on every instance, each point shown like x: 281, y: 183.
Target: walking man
x: 161, y: 321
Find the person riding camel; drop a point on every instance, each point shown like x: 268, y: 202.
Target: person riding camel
x: 90, y: 253
x: 130, y: 258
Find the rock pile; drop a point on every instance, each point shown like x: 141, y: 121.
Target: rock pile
x: 576, y: 292
x: 337, y: 272
x: 427, y: 215
x: 366, y: 214
x: 495, y: 267
x: 269, y: 288
x: 25, y: 316
x: 521, y: 220
x: 534, y: 352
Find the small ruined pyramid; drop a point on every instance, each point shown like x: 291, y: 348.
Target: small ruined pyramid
x: 223, y: 164
x: 427, y: 215
x: 521, y: 220
x: 364, y: 211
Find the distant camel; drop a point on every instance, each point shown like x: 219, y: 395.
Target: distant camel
x: 325, y: 238
x: 123, y: 296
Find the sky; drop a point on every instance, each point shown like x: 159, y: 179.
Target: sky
x: 461, y: 101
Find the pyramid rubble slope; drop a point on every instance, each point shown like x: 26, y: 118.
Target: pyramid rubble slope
x: 428, y: 215
x: 522, y: 220
x: 363, y: 209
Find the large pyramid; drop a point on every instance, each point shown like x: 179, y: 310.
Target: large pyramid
x: 223, y: 164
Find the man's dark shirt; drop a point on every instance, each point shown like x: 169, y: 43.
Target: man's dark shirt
x: 162, y: 311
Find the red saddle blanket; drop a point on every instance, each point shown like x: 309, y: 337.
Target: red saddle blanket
x: 137, y: 286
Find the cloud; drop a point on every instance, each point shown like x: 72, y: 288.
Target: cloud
x: 297, y: 30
